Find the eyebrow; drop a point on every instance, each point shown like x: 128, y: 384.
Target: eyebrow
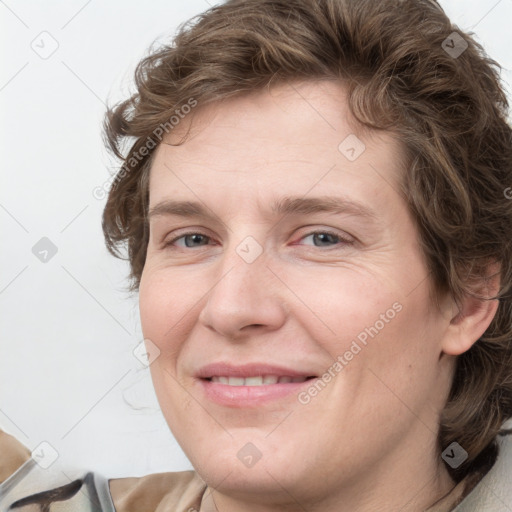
x: 282, y: 206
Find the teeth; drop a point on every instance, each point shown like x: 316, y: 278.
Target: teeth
x: 257, y: 380
x: 253, y: 381
x: 236, y: 381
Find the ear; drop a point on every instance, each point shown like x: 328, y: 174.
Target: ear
x: 475, y: 313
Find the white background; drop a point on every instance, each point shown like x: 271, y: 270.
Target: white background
x: 68, y: 328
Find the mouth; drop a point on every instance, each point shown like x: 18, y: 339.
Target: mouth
x: 250, y: 385
x: 257, y: 380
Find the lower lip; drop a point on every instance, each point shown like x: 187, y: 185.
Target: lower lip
x: 247, y: 396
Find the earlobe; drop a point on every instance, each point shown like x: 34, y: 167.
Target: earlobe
x: 473, y: 315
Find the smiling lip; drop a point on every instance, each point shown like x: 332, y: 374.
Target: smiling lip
x: 251, y: 384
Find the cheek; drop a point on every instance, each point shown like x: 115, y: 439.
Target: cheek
x: 379, y: 319
x: 163, y: 305
x: 163, y: 314
x: 338, y: 304
x: 166, y: 302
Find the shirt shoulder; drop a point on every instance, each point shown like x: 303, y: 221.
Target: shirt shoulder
x: 159, y: 492
x: 25, y: 484
x: 13, y: 455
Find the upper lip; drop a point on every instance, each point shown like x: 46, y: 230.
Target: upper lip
x: 248, y: 370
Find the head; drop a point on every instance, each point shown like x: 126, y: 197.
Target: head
x: 393, y: 295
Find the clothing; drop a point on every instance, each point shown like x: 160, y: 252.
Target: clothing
x: 26, y: 487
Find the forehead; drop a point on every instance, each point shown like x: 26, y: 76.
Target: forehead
x: 289, y: 137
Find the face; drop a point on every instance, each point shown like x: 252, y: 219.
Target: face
x: 288, y: 296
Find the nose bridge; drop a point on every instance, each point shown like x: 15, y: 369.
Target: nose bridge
x: 243, y: 267
x: 245, y: 292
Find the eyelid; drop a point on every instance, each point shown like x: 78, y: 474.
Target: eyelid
x: 311, y: 229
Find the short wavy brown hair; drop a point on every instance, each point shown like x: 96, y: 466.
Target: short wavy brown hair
x: 399, y: 60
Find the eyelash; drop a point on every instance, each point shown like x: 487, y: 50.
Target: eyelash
x: 340, y: 238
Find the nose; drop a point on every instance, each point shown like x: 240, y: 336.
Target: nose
x: 246, y: 298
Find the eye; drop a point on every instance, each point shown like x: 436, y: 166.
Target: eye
x: 326, y: 239
x: 316, y: 239
x: 189, y: 240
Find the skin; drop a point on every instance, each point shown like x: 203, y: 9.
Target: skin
x: 367, y: 440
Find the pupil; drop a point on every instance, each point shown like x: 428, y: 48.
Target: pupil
x: 193, y: 238
x: 324, y: 237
